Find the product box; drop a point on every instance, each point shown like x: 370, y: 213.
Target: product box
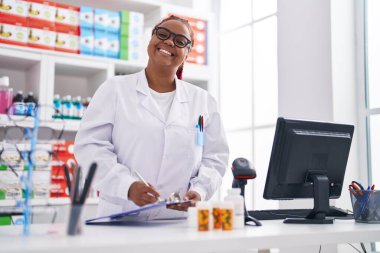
x: 10, y: 187
x: 42, y: 14
x: 131, y: 49
x: 14, y: 11
x: 134, y: 18
x: 67, y: 42
x: 100, y: 43
x: 41, y: 38
x: 113, y: 22
x: 131, y: 30
x: 86, y: 17
x: 113, y: 45
x: 14, y: 34
x: 41, y: 184
x: 101, y: 19
x: 67, y: 18
x: 86, y: 41
x: 65, y: 155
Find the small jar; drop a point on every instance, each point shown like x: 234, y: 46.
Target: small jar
x: 227, y: 215
x: 203, y: 216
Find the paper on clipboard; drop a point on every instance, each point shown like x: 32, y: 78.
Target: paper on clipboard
x: 134, y: 214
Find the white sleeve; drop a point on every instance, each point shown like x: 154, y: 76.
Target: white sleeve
x: 93, y: 143
x: 214, y: 158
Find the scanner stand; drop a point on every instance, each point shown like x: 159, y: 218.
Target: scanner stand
x: 240, y: 183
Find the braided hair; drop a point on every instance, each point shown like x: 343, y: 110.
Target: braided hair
x: 185, y: 22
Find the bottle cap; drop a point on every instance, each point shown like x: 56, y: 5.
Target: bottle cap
x: 4, y: 81
x: 234, y: 191
x: 203, y: 205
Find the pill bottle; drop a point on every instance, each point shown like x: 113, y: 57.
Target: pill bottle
x: 227, y: 215
x: 233, y: 195
x: 203, y: 216
x: 216, y: 218
x: 192, y: 218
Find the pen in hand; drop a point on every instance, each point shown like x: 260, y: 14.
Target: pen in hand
x: 146, y: 183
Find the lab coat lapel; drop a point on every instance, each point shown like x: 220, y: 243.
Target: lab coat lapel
x: 178, y: 107
x: 146, y: 98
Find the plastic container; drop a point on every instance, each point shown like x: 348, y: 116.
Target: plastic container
x: 366, y: 206
x: 238, y: 200
x: 19, y: 104
x: 216, y: 218
x: 30, y: 104
x: 6, y: 95
x: 227, y: 215
x: 192, y: 218
x: 57, y: 106
x: 203, y: 216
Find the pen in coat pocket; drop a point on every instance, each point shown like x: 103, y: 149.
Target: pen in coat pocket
x: 145, y: 182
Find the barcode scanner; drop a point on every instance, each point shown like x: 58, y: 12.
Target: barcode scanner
x: 243, y: 170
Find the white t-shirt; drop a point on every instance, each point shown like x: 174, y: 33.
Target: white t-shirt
x: 164, y: 101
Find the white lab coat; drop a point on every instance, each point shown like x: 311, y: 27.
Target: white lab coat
x: 124, y: 130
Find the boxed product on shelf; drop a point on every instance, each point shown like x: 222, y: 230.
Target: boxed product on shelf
x: 132, y: 24
x: 13, y: 34
x: 131, y: 48
x: 14, y: 11
x: 41, y: 184
x: 41, y: 38
x: 113, y: 47
x: 65, y: 154
x: 41, y: 14
x: 100, y: 43
x: 10, y: 186
x: 113, y: 22
x: 86, y: 17
x: 198, y: 54
x: 86, y: 41
x: 101, y: 19
x: 67, y: 18
x: 67, y: 42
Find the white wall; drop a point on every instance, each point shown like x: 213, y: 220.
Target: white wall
x: 304, y: 58
x: 316, y: 55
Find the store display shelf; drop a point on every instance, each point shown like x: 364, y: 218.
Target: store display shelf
x: 46, y: 202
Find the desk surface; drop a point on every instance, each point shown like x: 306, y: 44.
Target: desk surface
x: 175, y: 236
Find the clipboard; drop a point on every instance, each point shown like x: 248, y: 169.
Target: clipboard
x: 134, y: 214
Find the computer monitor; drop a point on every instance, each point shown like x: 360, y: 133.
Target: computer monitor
x: 308, y: 160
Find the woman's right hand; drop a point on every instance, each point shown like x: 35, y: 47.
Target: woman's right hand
x: 141, y: 194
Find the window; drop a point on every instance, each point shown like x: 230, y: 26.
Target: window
x: 248, y: 87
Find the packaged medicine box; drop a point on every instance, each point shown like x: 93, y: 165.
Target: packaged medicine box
x: 13, y: 34
x: 67, y: 42
x: 41, y: 38
x: 113, y: 45
x: 101, y: 19
x: 14, y: 11
x: 86, y: 17
x: 67, y: 18
x: 113, y: 22
x: 86, y: 41
x: 100, y: 43
x: 41, y: 14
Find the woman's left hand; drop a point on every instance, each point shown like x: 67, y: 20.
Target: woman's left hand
x: 190, y: 195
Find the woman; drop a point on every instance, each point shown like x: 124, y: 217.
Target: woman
x: 151, y: 123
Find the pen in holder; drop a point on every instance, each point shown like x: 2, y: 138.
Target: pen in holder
x: 78, y: 199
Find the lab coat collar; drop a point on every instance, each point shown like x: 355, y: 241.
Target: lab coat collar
x: 181, y: 96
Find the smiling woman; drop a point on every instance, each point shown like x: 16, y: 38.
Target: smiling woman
x: 157, y: 126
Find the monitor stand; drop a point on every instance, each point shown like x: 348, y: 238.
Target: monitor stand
x: 321, y: 203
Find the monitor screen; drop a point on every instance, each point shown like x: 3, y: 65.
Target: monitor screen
x: 302, y: 149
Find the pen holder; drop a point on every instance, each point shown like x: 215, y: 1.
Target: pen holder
x: 366, y: 205
x: 75, y: 220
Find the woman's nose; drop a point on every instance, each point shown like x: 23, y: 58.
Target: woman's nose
x: 169, y: 41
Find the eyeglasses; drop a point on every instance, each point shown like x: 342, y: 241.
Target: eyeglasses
x: 179, y: 40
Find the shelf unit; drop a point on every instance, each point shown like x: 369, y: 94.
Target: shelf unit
x: 46, y: 72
